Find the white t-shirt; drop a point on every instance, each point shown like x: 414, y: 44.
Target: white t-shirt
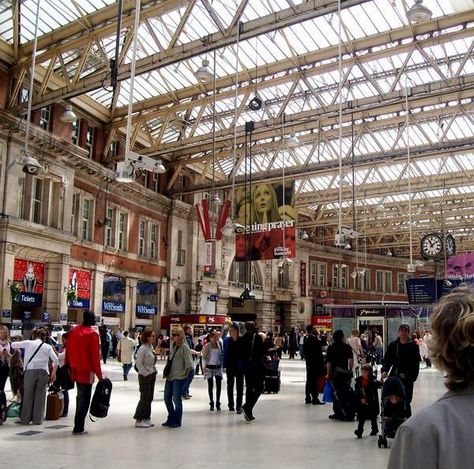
x: 42, y: 357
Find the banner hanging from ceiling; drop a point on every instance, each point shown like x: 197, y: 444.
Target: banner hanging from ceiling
x: 268, y: 216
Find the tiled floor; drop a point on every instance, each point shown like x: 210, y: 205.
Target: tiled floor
x: 286, y: 433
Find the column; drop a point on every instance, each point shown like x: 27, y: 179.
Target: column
x: 130, y: 303
x: 6, y: 274
x: 97, y: 291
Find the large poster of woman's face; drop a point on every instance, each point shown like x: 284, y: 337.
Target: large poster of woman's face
x: 268, y: 214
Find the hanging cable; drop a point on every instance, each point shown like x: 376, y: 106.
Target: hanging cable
x: 132, y: 77
x: 213, y: 198
x: 32, y: 79
x: 407, y: 124
x: 340, y: 113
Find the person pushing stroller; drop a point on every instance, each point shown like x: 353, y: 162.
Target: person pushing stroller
x: 367, y: 399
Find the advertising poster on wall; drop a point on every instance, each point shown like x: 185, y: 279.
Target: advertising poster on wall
x: 147, y: 298
x: 80, y: 282
x: 268, y: 216
x: 29, y: 276
x: 461, y: 267
x: 113, y: 294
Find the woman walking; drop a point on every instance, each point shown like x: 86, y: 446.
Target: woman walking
x: 181, y: 362
x: 36, y: 369
x: 212, y: 356
x: 145, y: 362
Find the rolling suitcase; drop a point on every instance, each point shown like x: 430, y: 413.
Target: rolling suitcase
x: 272, y: 382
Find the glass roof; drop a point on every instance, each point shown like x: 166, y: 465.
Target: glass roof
x: 294, y: 71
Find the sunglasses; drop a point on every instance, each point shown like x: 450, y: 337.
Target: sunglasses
x: 174, y: 335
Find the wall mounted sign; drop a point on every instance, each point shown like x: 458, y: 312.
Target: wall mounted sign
x: 80, y: 282
x: 113, y: 296
x: 30, y: 276
x: 147, y: 298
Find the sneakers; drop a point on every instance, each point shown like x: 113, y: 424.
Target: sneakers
x: 247, y: 415
x: 149, y: 422
x: 239, y: 410
x: 142, y: 424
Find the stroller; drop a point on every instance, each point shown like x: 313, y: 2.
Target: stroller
x: 272, y: 381
x: 393, y: 409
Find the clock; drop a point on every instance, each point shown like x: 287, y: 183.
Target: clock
x: 431, y: 246
x: 449, y: 245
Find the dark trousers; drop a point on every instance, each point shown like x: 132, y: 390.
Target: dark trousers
x: 4, y: 371
x: 311, y: 387
x: 187, y: 383
x: 210, y: 389
x: 254, y: 387
x: 373, y: 421
x: 147, y: 389
x: 236, y: 377
x: 105, y: 352
x: 83, y: 401
x: 66, y: 402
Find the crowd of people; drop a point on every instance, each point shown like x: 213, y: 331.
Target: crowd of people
x: 238, y: 352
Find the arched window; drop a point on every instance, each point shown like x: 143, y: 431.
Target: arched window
x: 237, y: 275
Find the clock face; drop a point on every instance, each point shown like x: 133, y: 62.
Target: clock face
x: 431, y: 245
x: 450, y: 245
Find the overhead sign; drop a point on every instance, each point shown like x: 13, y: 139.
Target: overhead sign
x: 113, y: 297
x: 147, y: 298
x: 302, y: 278
x: 29, y: 276
x: 80, y: 282
x: 424, y: 290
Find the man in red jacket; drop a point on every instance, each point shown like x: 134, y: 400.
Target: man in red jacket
x: 83, y: 358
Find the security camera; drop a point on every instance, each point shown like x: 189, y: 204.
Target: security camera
x: 30, y: 164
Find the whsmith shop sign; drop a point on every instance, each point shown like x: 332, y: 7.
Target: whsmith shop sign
x: 113, y: 294
x: 147, y: 298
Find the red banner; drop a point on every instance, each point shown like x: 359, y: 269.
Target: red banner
x: 30, y: 275
x: 80, y: 282
x: 322, y: 322
x: 302, y: 278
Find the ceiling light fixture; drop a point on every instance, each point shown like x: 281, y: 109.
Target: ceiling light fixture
x: 293, y: 140
x: 255, y: 104
x: 68, y: 115
x: 304, y: 235
x: 419, y: 13
x: 203, y: 73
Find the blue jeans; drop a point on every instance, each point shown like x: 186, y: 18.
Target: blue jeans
x: 126, y: 369
x: 187, y: 383
x: 174, y: 405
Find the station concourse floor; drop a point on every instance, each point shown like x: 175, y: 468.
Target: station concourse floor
x: 286, y: 433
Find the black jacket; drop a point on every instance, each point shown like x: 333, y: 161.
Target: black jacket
x: 370, y: 393
x: 402, y: 358
x: 252, y: 351
x: 313, y: 354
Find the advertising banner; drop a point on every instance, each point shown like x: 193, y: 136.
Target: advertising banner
x: 147, y: 298
x: 461, y: 267
x: 267, y: 214
x: 113, y: 294
x: 29, y: 276
x: 80, y: 282
x: 303, y: 278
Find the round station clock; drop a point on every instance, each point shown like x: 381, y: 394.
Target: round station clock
x: 431, y: 246
x: 450, y: 245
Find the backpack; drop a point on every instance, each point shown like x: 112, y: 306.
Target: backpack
x: 3, y: 407
x: 101, y: 399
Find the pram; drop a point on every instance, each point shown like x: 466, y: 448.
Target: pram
x: 393, y: 409
x: 272, y: 379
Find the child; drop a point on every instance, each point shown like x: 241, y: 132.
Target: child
x: 367, y: 400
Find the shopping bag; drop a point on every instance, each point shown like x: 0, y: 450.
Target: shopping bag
x: 327, y: 393
x: 321, y: 383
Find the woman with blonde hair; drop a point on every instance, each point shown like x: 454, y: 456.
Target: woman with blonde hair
x: 265, y: 204
x: 444, y: 429
x: 180, y: 363
x: 5, y: 355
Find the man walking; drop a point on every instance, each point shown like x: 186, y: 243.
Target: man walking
x: 187, y: 382
x: 402, y: 359
x: 314, y: 366
x: 83, y: 358
x: 252, y: 354
x: 125, y: 353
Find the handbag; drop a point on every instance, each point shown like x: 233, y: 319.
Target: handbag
x: 167, y: 368
x: 327, y: 392
x: 63, y: 377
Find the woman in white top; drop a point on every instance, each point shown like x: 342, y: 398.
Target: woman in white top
x: 357, y: 350
x: 212, y: 367
x: 36, y: 371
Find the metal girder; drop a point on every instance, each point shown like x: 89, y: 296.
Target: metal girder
x: 278, y: 20
x: 365, y: 50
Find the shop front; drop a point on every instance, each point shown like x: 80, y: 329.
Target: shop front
x: 200, y: 323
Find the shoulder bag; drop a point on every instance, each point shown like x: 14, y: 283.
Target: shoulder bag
x: 33, y: 356
x: 167, y: 368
